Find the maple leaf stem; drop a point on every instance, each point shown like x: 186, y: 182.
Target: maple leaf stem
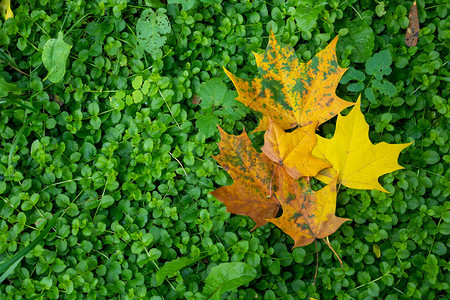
x: 271, y: 180
x: 317, y: 261
x: 329, y: 245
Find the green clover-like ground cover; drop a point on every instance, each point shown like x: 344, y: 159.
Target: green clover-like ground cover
x: 117, y: 147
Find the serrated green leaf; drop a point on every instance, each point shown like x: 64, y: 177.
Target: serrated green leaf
x: 54, y: 58
x: 212, y: 93
x: 307, y: 12
x: 361, y: 38
x: 378, y: 65
x: 227, y: 276
x: 207, y: 124
x: 151, y: 29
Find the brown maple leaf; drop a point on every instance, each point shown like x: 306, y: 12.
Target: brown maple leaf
x: 290, y: 92
x: 412, y: 32
x: 293, y: 150
x: 307, y: 215
x: 252, y: 173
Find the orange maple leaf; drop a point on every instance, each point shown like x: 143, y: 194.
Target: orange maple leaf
x: 293, y: 150
x: 356, y: 161
x: 252, y: 173
x: 290, y: 92
x: 307, y: 215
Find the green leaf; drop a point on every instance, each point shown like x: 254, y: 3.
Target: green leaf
x: 373, y: 289
x: 431, y: 157
x: 368, y: 92
x: 352, y: 74
x: 54, y: 57
x: 307, y: 13
x: 355, y: 87
x: 151, y: 29
x: 207, y: 124
x: 378, y: 65
x: 388, y: 279
x: 89, y: 151
x: 106, y: 201
x: 188, y: 215
x: 439, y: 248
x: 213, y: 2
x: 212, y: 93
x: 6, y: 87
x: 360, y: 37
x: 137, y: 82
x: 154, y: 254
x: 187, y: 4
x: 385, y: 87
x: 298, y: 254
x: 172, y: 267
x: 226, y: 277
x: 13, y: 261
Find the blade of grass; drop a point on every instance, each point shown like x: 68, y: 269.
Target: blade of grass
x: 10, y: 270
x: 5, y: 267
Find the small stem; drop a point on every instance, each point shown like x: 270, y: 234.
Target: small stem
x: 180, y: 164
x: 18, y: 70
x: 376, y: 279
x: 356, y: 12
x: 317, y: 261
x: 329, y: 245
x: 170, y: 110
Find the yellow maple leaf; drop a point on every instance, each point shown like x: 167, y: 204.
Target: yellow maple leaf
x: 356, y: 161
x: 290, y: 92
x: 293, y: 150
x: 5, y: 9
x: 307, y: 215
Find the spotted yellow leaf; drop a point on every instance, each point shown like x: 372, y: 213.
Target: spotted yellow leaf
x: 356, y: 161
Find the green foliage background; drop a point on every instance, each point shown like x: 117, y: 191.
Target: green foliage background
x: 118, y: 144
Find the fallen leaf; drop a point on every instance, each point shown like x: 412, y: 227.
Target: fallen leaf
x: 307, y: 215
x: 290, y: 92
x: 412, y: 32
x: 376, y: 250
x: 293, y: 150
x: 356, y: 161
x: 252, y: 173
x: 5, y: 9
x: 196, y: 99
